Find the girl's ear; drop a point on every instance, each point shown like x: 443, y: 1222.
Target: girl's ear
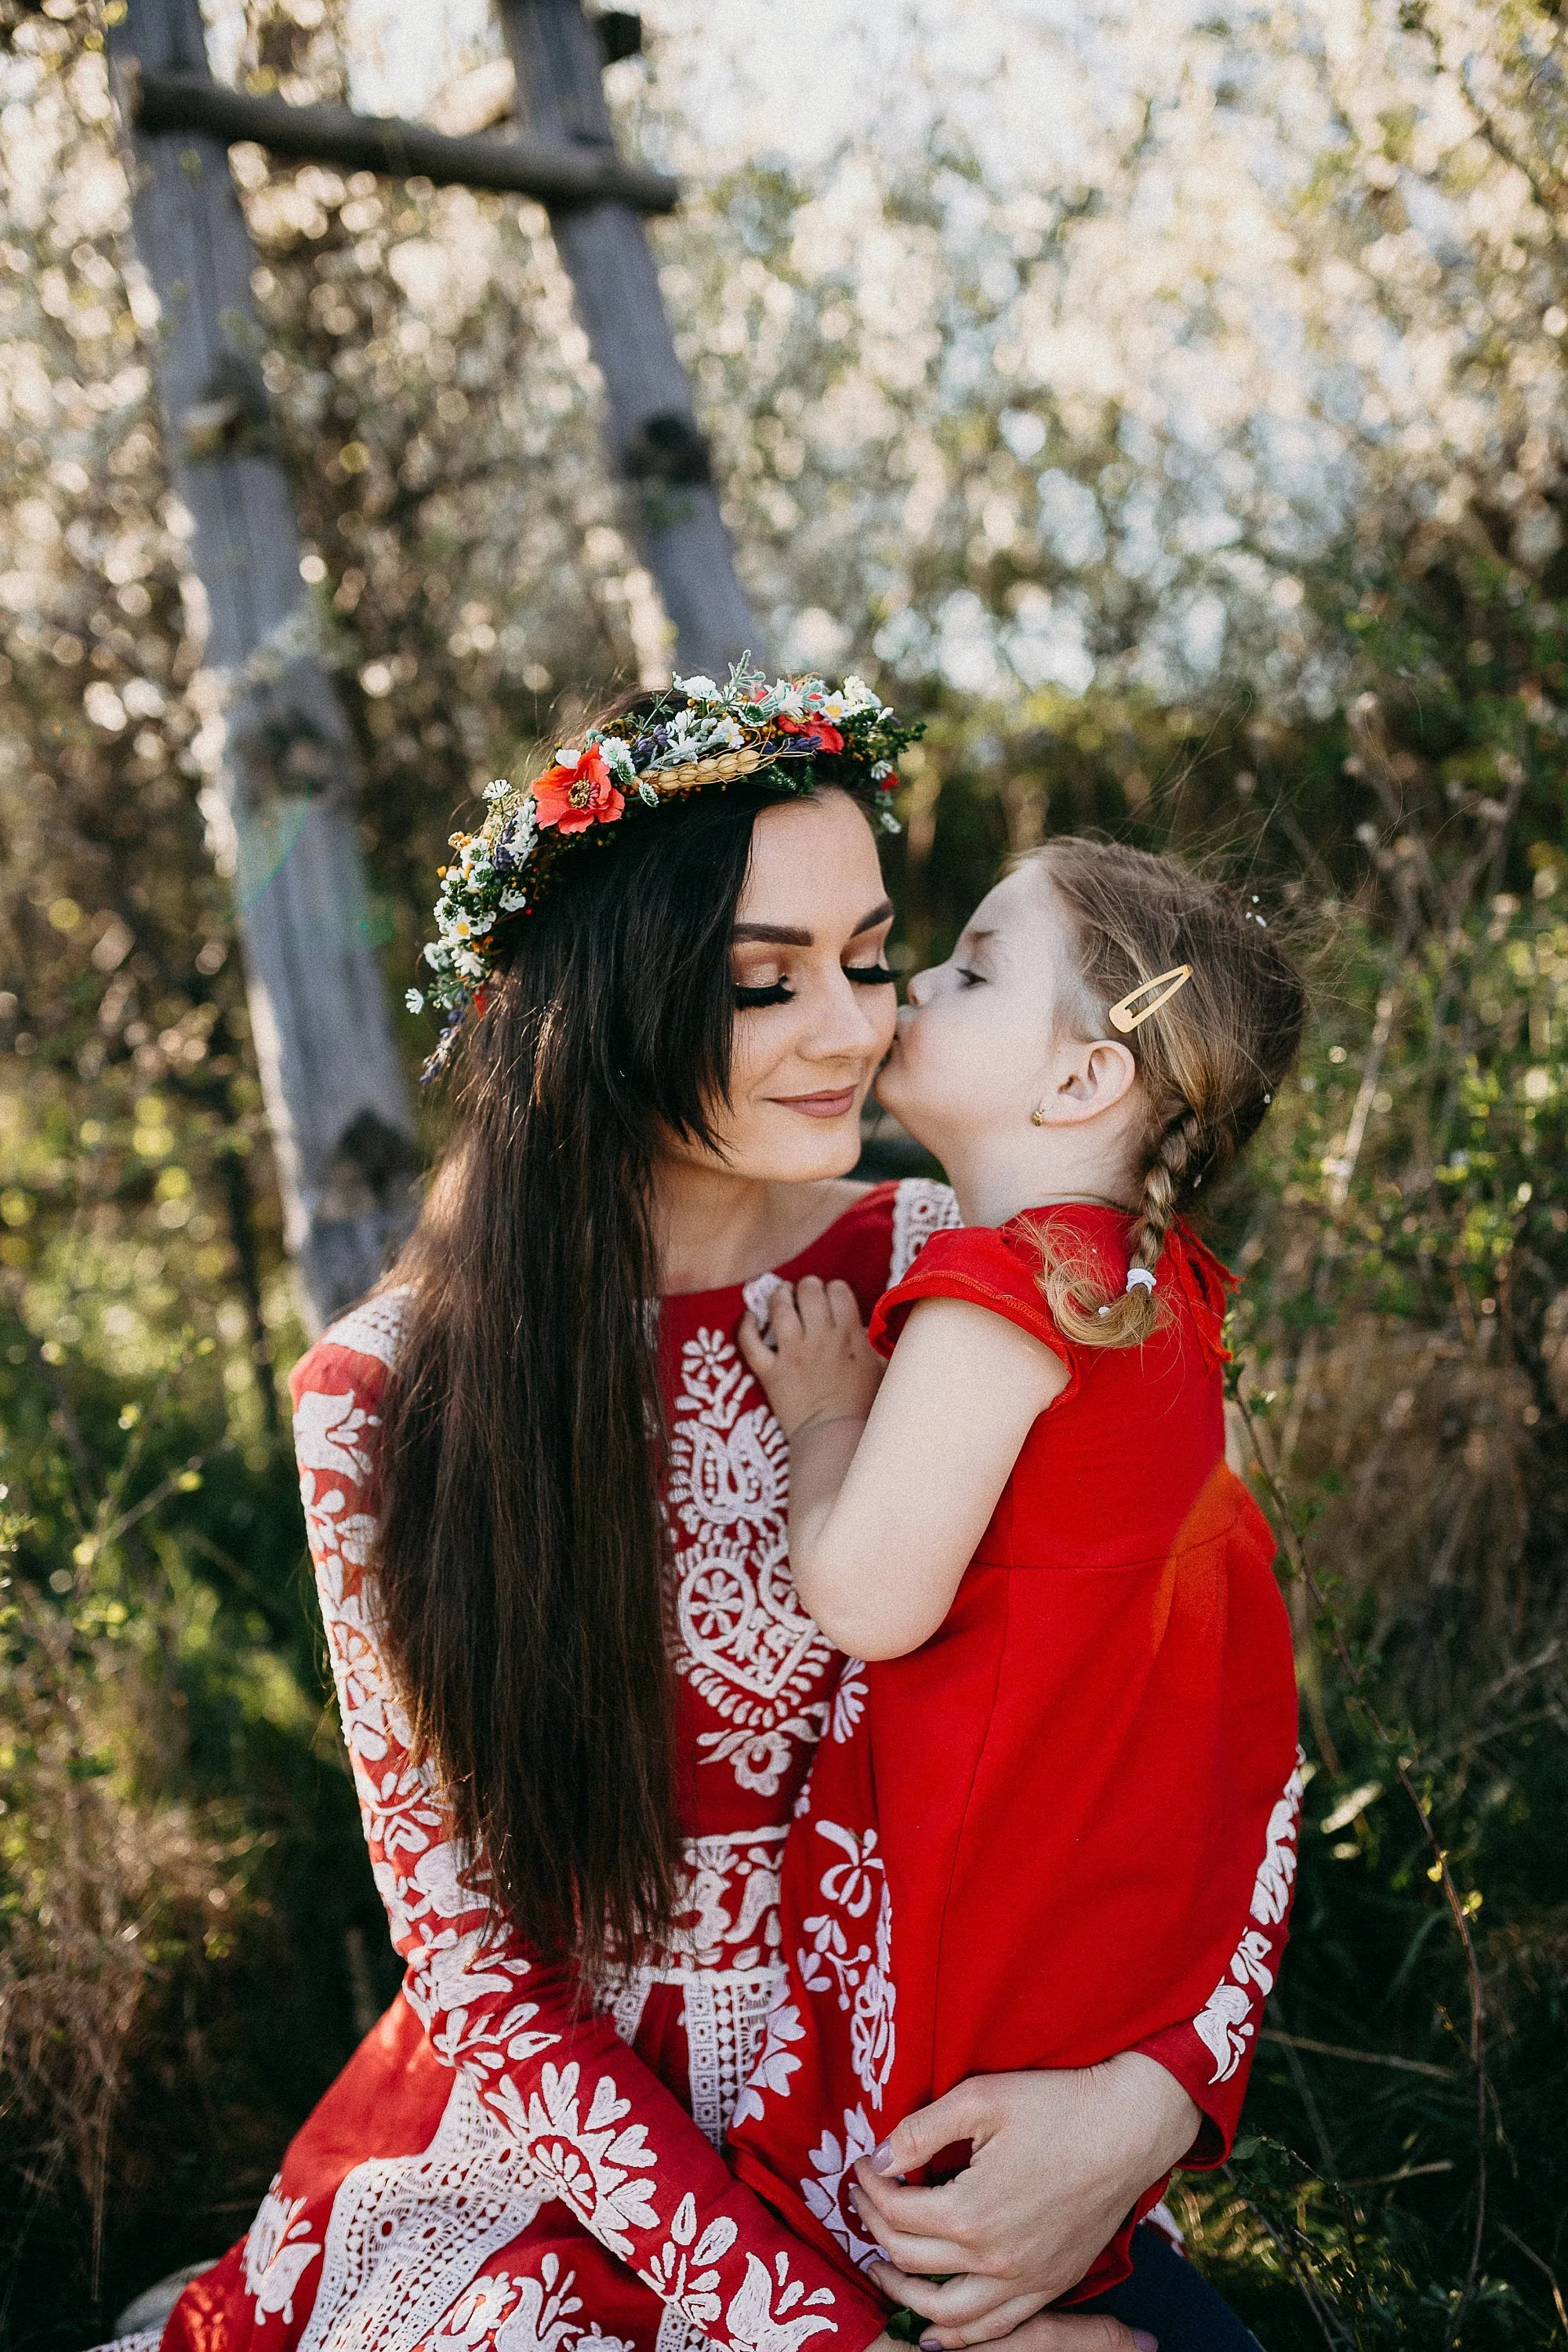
x: 1087, y: 1079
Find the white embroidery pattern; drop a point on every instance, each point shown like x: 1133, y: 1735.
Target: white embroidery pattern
x: 859, y: 1979
x: 1225, y: 2025
x: 755, y: 2318
x: 746, y: 1646
x: 848, y: 1700
x: 677, y: 2333
x: 587, y: 2162
x: 823, y: 2190
x: 724, y: 2017
x: 682, y: 2272
x: 774, y: 2063
x: 521, y: 2313
x: 921, y: 1207
x: 731, y: 1915
x: 407, y: 2231
x: 406, y: 2238
x: 278, y: 2249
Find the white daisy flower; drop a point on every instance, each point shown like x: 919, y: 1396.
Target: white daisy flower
x: 415, y: 998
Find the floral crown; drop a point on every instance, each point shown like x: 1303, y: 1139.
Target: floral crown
x: 698, y: 734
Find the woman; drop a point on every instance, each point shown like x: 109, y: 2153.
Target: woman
x: 578, y: 1693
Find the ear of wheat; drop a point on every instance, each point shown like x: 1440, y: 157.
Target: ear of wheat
x: 721, y: 769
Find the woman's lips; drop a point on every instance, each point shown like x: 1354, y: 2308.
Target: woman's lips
x: 822, y: 1105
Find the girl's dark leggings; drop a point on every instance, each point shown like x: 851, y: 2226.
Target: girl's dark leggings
x: 1169, y: 2298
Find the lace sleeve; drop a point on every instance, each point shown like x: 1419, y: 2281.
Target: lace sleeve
x: 600, y: 2131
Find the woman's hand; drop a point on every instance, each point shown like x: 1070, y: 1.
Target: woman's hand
x: 1057, y: 2161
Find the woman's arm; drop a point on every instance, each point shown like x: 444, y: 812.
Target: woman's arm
x: 600, y: 2131
x: 891, y: 1489
x: 1061, y: 2158
x: 1058, y: 2161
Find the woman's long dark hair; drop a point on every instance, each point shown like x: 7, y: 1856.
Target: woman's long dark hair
x: 519, y: 1566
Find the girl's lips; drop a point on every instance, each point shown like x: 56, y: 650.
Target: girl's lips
x: 822, y: 1105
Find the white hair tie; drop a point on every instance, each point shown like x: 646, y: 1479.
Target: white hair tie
x: 1138, y: 1278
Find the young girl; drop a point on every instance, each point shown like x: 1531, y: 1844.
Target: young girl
x: 1072, y: 1755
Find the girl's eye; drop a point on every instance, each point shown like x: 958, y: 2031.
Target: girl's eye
x: 869, y: 975
x: 751, y: 1000
x: 971, y: 979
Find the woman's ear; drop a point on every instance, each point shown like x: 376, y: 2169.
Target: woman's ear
x: 1087, y: 1079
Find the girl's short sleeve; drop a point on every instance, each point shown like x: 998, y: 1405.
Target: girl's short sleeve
x: 988, y: 1269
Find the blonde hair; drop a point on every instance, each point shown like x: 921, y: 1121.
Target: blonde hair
x: 1209, y: 1061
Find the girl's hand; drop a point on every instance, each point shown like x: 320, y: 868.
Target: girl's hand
x: 1057, y: 2161
x: 815, y: 1365
x: 1060, y: 2331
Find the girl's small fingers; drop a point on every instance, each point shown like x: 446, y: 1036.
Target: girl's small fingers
x: 783, y: 1315
x: 920, y: 2257
x: 811, y: 1299
x: 843, y: 1306
x: 758, y: 1351
x: 1068, y: 2331
x: 986, y: 2306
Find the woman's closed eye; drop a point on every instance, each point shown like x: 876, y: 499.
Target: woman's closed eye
x: 779, y: 992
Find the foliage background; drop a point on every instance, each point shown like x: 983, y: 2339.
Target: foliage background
x: 1168, y: 404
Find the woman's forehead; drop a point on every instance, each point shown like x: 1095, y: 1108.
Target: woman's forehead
x: 814, y: 866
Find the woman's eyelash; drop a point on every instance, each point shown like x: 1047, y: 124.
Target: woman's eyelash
x: 864, y: 975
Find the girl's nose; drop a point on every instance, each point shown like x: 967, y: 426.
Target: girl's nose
x: 920, y: 986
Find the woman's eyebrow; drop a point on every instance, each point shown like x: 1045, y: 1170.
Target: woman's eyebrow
x: 786, y: 934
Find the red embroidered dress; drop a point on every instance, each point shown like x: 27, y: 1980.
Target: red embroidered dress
x: 1069, y: 1820
x: 498, y: 2169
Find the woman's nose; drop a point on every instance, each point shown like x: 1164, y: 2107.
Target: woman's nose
x: 854, y: 1020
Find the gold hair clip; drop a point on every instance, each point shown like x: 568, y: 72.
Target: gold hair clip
x: 1159, y: 991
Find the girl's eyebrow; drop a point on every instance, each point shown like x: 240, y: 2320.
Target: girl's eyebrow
x: 785, y: 935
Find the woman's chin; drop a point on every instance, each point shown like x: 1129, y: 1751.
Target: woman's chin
x: 793, y: 1149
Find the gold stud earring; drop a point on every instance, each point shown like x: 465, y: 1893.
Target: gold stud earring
x: 1037, y: 1116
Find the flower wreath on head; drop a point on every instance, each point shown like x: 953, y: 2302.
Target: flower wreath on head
x: 697, y: 734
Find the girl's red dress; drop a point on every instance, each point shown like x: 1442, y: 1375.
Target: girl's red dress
x: 504, y: 2166
x: 1069, y: 1820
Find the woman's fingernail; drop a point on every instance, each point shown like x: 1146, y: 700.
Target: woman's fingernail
x: 1144, y: 2341
x: 882, y: 2158
x: 930, y: 2343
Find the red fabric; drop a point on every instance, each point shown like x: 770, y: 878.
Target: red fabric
x: 496, y: 2169
x: 1064, y: 1826
x: 495, y: 2166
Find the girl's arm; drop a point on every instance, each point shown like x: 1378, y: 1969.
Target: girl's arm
x: 891, y: 1488
x: 597, y: 2127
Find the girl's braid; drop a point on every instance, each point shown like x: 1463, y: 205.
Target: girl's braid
x: 1177, y: 1160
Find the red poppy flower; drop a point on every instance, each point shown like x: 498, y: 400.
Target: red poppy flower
x: 573, y: 798
x: 819, y: 733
